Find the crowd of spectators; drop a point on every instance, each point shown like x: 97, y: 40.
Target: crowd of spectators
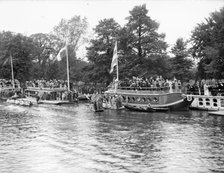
x: 146, y: 83
x: 212, y: 86
x: 47, y: 84
x: 207, y: 87
x: 215, y: 87
x: 79, y: 86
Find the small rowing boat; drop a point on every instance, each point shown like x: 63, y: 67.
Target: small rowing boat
x: 19, y: 101
x: 145, y: 108
x: 54, y: 102
x: 139, y: 108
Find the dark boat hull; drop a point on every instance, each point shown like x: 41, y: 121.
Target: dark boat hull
x: 94, y: 108
x: 180, y: 105
x: 139, y: 108
x: 100, y: 110
x: 83, y: 98
x: 145, y: 108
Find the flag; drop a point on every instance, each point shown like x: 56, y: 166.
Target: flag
x: 6, y: 61
x: 114, y: 59
x: 59, y: 56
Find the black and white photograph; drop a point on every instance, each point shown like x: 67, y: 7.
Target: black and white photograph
x: 111, y: 86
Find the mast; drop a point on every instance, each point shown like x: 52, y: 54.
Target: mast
x: 13, y: 80
x: 117, y: 71
x: 67, y: 66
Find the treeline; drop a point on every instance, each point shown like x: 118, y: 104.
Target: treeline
x: 142, y: 50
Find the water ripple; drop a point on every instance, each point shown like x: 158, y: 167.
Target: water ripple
x: 71, y: 138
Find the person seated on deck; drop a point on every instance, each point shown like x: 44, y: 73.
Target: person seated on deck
x: 37, y: 98
x: 15, y: 96
x: 118, y: 101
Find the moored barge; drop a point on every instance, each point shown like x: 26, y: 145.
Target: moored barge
x: 206, y: 100
x: 159, y: 97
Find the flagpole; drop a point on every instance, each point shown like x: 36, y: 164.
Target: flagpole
x: 67, y: 66
x: 117, y: 71
x: 13, y: 81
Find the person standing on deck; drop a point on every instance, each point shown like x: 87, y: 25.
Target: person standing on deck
x: 206, y: 91
x: 170, y: 86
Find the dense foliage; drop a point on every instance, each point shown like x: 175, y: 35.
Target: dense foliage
x: 100, y: 51
x: 34, y: 57
x: 148, y: 48
x: 20, y: 49
x: 181, y: 63
x: 142, y: 51
x: 46, y: 46
x: 208, y: 46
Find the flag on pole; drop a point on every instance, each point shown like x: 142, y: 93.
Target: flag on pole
x: 59, y: 56
x: 114, y: 59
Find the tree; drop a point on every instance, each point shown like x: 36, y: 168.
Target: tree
x: 141, y: 50
x: 145, y: 44
x: 146, y: 40
x: 100, y: 51
x: 207, y: 45
x: 181, y: 64
x: 73, y: 31
x: 46, y: 47
x: 20, y: 48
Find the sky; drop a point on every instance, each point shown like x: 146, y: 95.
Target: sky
x: 177, y: 18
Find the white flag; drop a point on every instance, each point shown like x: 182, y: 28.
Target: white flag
x: 59, y: 57
x: 114, y: 59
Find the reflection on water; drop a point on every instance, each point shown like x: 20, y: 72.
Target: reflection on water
x: 74, y: 139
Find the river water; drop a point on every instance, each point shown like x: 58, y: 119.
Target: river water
x: 72, y: 138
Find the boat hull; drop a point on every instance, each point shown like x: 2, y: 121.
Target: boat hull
x: 53, y: 96
x: 160, y: 99
x: 139, y: 108
x: 207, y: 103
x: 83, y: 98
x: 216, y: 113
x: 96, y: 108
x: 53, y: 102
x: 179, y: 105
x: 20, y: 102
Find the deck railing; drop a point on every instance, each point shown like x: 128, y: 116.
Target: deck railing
x: 152, y: 90
x: 212, y: 92
x: 47, y: 88
x: 9, y: 86
x: 145, y: 88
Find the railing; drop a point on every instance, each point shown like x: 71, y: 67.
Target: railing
x: 165, y: 89
x: 145, y: 88
x: 195, y: 92
x: 212, y: 92
x: 9, y: 86
x: 47, y: 88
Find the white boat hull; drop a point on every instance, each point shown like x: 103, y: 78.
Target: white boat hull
x: 53, y: 102
x: 203, y: 102
x: 20, y: 101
